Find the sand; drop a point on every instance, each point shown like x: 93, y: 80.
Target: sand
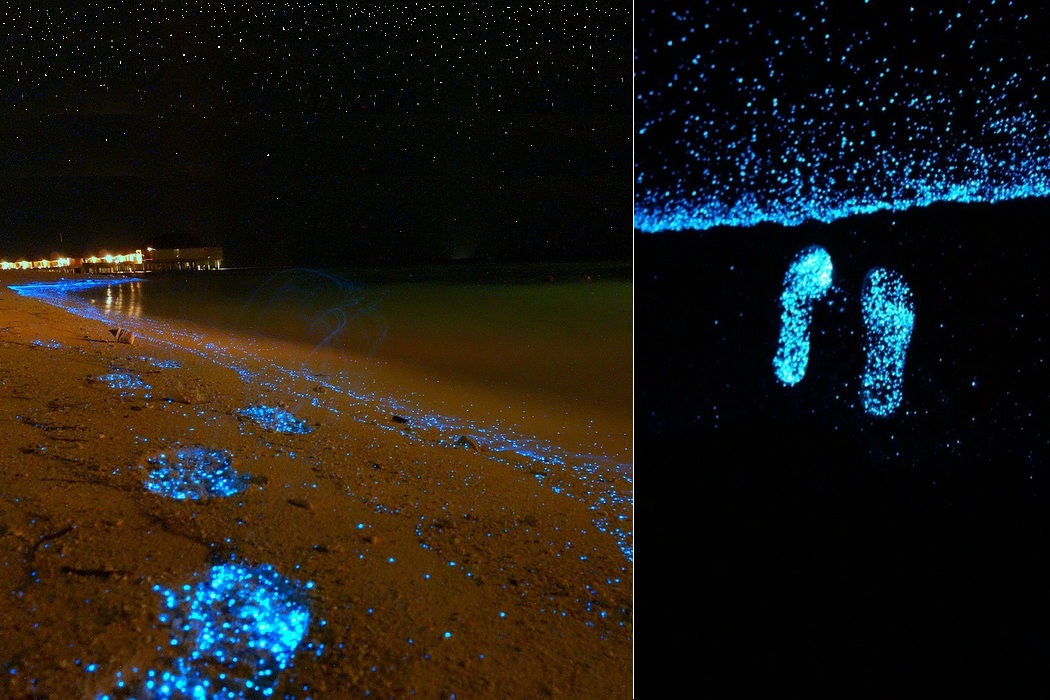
x: 428, y: 567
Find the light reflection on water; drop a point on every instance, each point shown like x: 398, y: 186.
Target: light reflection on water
x: 122, y: 299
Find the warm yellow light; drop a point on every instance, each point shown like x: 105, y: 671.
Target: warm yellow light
x: 135, y: 258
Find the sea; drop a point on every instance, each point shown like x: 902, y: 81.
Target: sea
x: 549, y: 344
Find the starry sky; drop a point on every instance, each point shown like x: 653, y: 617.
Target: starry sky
x: 290, y: 133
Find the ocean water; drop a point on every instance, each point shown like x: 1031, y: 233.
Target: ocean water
x: 553, y: 340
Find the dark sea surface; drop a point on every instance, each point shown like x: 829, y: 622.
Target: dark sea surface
x: 557, y: 333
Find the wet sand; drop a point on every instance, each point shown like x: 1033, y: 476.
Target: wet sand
x: 429, y: 565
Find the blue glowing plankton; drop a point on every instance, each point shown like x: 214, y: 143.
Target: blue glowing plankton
x: 194, y: 473
x: 125, y: 381
x: 236, y: 630
x: 808, y: 280
x: 749, y: 113
x: 276, y: 419
x: 889, y: 316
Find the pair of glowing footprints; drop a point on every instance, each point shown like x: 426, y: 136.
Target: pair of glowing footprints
x: 888, y: 314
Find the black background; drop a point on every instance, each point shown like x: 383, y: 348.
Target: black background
x: 808, y: 544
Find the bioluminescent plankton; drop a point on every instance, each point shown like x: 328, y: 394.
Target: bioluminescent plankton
x: 808, y: 280
x: 232, y: 634
x: 125, y: 381
x: 194, y: 473
x: 756, y: 113
x: 276, y: 419
x: 889, y: 316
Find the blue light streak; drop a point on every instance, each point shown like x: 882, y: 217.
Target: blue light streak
x: 807, y: 280
x: 60, y: 288
x: 194, y: 473
x: 334, y: 311
x: 889, y: 316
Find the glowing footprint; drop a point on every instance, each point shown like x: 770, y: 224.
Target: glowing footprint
x: 889, y: 316
x: 237, y: 630
x: 807, y: 280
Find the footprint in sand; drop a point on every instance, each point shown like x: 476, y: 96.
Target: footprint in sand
x: 237, y: 629
x: 889, y: 315
x: 808, y: 280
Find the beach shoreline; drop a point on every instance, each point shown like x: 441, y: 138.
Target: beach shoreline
x: 437, y: 564
x: 573, y: 393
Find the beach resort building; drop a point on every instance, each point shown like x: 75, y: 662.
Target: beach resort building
x: 182, y: 259
x: 153, y: 259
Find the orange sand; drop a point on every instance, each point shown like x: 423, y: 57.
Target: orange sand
x: 83, y: 543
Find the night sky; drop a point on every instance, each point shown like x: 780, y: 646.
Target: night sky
x: 836, y: 549
x: 318, y: 133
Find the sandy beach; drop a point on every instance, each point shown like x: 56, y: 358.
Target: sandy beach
x: 398, y: 558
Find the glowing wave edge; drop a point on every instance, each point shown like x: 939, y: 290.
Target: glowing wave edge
x: 821, y: 111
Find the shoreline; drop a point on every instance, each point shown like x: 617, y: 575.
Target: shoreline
x: 509, y: 414
x: 454, y: 271
x: 505, y: 585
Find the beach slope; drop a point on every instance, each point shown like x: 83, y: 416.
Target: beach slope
x: 375, y: 559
